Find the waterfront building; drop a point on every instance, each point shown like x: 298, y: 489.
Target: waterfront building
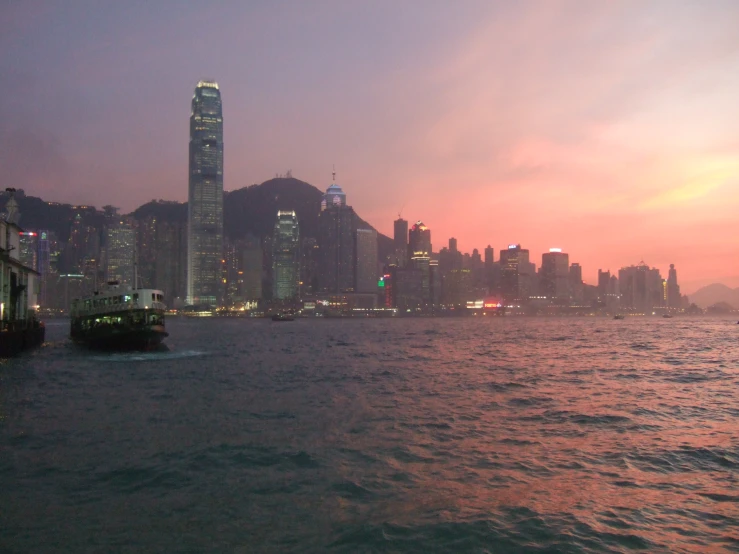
x: 419, y: 253
x: 29, y: 249
x: 554, y: 275
x: 336, y: 226
x: 44, y: 266
x: 120, y: 243
x: 18, y: 282
x: 366, y: 276
x: 252, y: 260
x: 309, y: 260
x: 673, y: 289
x: 400, y: 242
x: 641, y: 288
x: 285, y: 256
x: 170, y: 265
x: 576, y: 285
x: 516, y: 273
x: 205, y: 197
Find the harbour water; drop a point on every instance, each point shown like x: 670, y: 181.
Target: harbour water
x: 501, y: 435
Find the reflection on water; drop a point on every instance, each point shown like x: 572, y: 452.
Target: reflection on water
x: 502, y: 435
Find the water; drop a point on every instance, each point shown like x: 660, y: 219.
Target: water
x: 427, y: 435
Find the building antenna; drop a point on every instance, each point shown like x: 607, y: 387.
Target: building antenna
x: 333, y: 174
x: 400, y: 213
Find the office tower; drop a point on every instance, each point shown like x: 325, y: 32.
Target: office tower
x: 44, y: 267
x: 604, y: 279
x: 641, y: 288
x: 673, y: 289
x: 491, y: 269
x: 252, y: 259
x: 366, y: 275
x: 171, y: 260
x: 555, y: 270
x: 205, y: 199
x: 120, y: 241
x: 419, y: 253
x: 576, y: 285
x: 309, y: 259
x: 29, y: 249
x: 400, y: 242
x: 516, y: 273
x: 285, y: 256
x: 336, y: 225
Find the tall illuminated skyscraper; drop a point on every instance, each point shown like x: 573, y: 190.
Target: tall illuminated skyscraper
x: 285, y: 256
x: 205, y: 200
x: 336, y: 226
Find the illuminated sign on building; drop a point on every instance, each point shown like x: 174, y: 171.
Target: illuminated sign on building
x: 555, y: 250
x: 512, y: 246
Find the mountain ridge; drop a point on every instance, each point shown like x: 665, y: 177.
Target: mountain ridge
x: 715, y: 293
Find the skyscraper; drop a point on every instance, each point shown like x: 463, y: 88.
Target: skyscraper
x: 205, y: 200
x: 555, y: 271
x: 419, y: 252
x: 120, y: 242
x: 336, y: 225
x: 400, y: 242
x: 516, y: 272
x: 285, y: 256
x: 673, y: 289
x: 366, y: 267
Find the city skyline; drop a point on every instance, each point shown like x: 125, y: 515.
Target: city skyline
x: 541, y: 124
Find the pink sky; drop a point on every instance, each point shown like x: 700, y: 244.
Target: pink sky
x: 608, y: 129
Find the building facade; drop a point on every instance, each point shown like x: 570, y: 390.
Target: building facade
x: 205, y: 199
x: 366, y: 275
x: 336, y: 226
x: 285, y: 256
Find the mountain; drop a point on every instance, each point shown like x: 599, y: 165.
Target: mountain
x: 249, y: 210
x: 715, y: 293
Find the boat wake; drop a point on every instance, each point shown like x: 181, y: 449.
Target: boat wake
x: 155, y: 356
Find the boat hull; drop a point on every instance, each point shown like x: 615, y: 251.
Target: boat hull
x: 148, y: 338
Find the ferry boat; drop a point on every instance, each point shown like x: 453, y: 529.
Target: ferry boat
x: 119, y: 318
x: 283, y: 317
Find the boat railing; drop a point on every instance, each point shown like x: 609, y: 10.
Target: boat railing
x: 120, y: 307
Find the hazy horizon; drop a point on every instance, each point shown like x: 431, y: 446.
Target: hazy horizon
x: 605, y: 129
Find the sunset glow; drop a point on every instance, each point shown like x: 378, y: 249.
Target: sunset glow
x: 607, y: 129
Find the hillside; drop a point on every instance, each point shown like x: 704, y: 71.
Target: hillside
x: 715, y: 293
x: 250, y: 210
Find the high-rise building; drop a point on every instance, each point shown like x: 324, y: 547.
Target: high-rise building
x: 252, y: 260
x: 120, y: 241
x: 205, y: 200
x: 641, y: 287
x: 555, y: 270
x: 516, y: 273
x: 366, y: 275
x: 336, y: 225
x: 419, y: 252
x: 400, y: 242
x: 285, y: 256
x: 29, y: 249
x: 171, y: 261
x: 673, y: 289
x: 577, y: 287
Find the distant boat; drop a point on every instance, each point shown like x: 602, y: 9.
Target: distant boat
x: 667, y: 316
x: 619, y: 316
x: 283, y: 317
x: 119, y: 318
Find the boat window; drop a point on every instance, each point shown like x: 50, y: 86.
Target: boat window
x: 153, y: 296
x: 135, y: 296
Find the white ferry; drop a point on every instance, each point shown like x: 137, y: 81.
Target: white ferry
x: 119, y: 318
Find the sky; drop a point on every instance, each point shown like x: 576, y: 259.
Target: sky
x: 608, y: 129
